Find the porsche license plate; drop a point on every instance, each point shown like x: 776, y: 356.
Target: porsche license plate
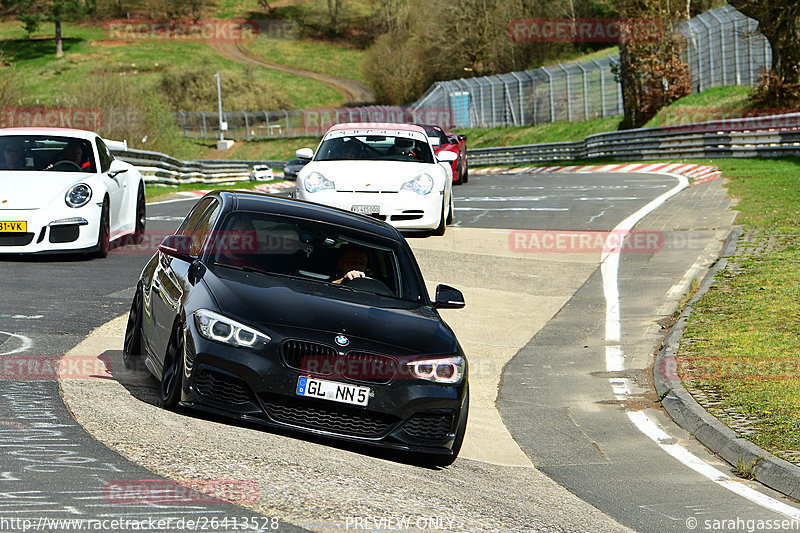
x: 366, y: 209
x: 13, y: 226
x: 333, y: 391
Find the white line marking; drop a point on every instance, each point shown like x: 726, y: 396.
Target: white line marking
x: 26, y: 343
x: 512, y: 209
x: 683, y: 285
x: 615, y: 362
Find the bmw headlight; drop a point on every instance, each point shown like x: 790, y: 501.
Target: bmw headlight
x: 316, y: 182
x: 422, y: 184
x: 440, y: 370
x: 78, y: 195
x: 216, y: 327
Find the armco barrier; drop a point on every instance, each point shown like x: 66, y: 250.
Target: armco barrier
x: 764, y: 136
x: 163, y: 169
x: 761, y: 136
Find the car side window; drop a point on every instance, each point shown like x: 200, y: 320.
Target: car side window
x: 202, y: 231
x: 104, y: 155
x: 191, y: 220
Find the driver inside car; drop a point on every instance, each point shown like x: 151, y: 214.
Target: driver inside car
x: 13, y: 155
x: 74, y: 152
x: 351, y: 264
x: 349, y: 149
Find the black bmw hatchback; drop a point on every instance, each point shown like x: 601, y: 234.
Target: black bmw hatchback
x: 296, y: 315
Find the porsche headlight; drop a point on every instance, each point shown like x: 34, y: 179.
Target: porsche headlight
x: 219, y: 328
x: 422, y: 184
x: 439, y: 370
x: 78, y: 195
x: 316, y: 182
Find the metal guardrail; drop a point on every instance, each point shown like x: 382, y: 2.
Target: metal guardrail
x: 764, y: 136
x: 163, y: 169
x: 767, y: 136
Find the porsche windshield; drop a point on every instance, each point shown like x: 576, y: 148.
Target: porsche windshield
x: 44, y: 152
x: 374, y: 148
x: 285, y: 246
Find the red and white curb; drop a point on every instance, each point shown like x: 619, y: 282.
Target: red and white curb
x: 697, y: 173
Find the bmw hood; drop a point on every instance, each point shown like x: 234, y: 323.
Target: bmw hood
x: 290, y: 308
x: 384, y: 176
x: 33, y: 190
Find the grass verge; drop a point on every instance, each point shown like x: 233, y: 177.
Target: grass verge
x: 155, y: 193
x: 740, y: 346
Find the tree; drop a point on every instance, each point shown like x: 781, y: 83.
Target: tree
x: 334, y: 8
x: 652, y: 70
x: 391, y: 13
x: 32, y: 13
x: 779, y: 21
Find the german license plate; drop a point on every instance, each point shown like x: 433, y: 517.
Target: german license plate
x: 333, y: 391
x: 366, y: 209
x: 14, y: 226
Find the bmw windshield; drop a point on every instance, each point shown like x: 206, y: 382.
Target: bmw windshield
x: 315, y: 252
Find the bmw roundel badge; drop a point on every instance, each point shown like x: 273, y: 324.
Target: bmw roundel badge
x: 341, y: 340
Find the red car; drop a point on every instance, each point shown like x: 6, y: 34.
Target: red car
x: 444, y: 141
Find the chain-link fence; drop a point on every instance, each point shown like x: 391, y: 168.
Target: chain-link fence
x: 723, y: 48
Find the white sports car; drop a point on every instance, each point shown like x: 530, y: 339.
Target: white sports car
x: 63, y: 191
x: 388, y: 171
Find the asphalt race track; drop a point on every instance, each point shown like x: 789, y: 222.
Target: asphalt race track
x: 565, y: 434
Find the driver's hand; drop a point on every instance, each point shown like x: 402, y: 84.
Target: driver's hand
x: 353, y: 274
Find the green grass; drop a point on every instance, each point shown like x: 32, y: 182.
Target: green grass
x: 227, y: 9
x: 157, y: 192
x: 584, y: 56
x: 318, y: 9
x: 542, y: 133
x: 263, y: 150
x: 741, y: 341
x: 312, y: 55
x: 711, y: 104
x: 47, y: 78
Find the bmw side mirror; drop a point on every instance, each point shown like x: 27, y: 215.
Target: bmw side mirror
x: 448, y: 298
x: 176, y: 246
x: 462, y: 137
x: 196, y: 272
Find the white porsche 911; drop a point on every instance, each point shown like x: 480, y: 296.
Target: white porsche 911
x: 63, y: 191
x: 387, y: 171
